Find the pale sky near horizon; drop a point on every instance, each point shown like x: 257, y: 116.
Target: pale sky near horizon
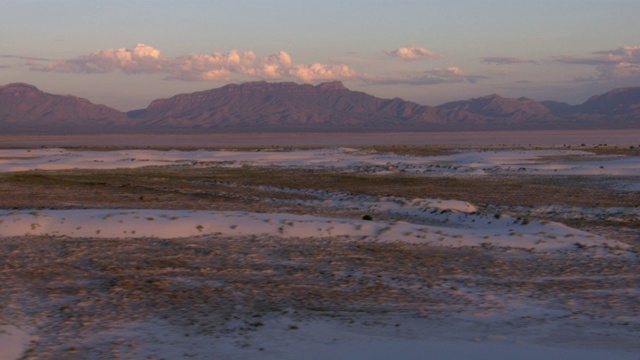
x: 126, y: 53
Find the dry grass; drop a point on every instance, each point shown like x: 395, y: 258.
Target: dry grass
x: 76, y: 288
x: 414, y: 150
x: 218, y: 188
x: 209, y: 286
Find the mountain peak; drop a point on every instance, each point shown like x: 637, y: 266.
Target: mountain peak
x: 271, y: 86
x: 25, y: 106
x: 19, y: 87
x: 496, y: 107
x: 274, y: 106
x: 332, y: 85
x: 617, y: 101
x: 624, y: 90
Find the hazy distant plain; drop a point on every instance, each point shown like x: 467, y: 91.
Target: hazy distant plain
x: 618, y: 137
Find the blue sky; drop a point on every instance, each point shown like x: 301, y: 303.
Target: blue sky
x: 126, y: 53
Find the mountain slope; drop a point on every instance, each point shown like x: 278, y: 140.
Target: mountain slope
x: 619, y: 102
x: 269, y: 105
x: 617, y: 108
x: 333, y: 106
x: 262, y: 106
x: 496, y: 110
x: 497, y: 106
x: 25, y: 106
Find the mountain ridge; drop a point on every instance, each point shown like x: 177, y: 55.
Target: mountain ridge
x: 264, y: 106
x: 24, y: 106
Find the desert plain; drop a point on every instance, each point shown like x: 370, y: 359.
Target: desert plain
x: 261, y: 250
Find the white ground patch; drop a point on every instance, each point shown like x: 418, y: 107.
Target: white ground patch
x: 319, y: 340
x: 13, y: 340
x: 442, y: 223
x: 464, y: 229
x: 468, y: 162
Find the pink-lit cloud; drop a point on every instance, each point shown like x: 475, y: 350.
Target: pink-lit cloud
x: 240, y: 65
x: 217, y: 66
x: 622, y: 63
x: 500, y: 60
x: 140, y: 59
x: 413, y: 53
x: 320, y: 72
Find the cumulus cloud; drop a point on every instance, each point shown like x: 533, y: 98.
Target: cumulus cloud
x: 321, y: 72
x: 500, y: 60
x: 140, y: 59
x: 413, y: 53
x: 239, y: 65
x: 429, y: 77
x: 622, y: 63
x: 217, y: 66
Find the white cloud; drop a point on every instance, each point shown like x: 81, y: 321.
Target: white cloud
x: 239, y: 65
x: 141, y: 59
x: 622, y: 63
x: 413, y: 53
x: 621, y: 70
x: 321, y: 72
x: 216, y: 66
x: 451, y: 72
x: 622, y: 54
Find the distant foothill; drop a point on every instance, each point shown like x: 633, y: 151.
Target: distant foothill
x: 287, y: 106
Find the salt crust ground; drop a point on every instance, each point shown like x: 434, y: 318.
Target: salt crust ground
x: 618, y: 137
x: 457, y: 229
x: 535, y: 162
x: 440, y: 223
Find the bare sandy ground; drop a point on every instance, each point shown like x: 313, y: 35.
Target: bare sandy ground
x: 284, y: 266
x: 623, y: 137
x: 211, y: 296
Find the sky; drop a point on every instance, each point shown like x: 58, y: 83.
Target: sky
x: 124, y: 54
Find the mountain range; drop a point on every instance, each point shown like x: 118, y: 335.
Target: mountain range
x: 286, y: 106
